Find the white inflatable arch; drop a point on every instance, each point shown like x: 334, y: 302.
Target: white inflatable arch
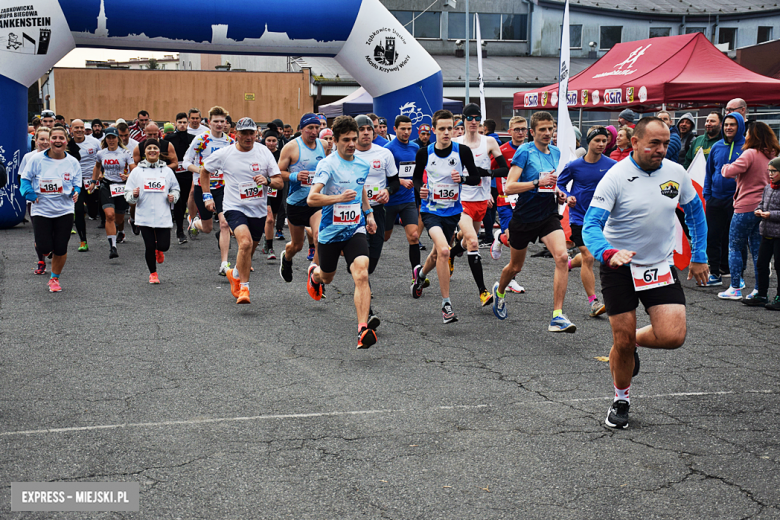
x: 363, y: 36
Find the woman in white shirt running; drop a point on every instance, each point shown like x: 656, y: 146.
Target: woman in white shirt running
x: 153, y: 187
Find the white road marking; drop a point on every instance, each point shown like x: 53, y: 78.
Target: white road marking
x: 194, y: 422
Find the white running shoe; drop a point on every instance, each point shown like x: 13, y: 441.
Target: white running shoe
x: 515, y: 287
x: 495, y: 248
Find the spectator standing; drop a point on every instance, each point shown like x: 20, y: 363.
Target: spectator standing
x: 623, y: 148
x: 712, y: 129
x: 769, y: 212
x: 750, y: 172
x: 686, y: 126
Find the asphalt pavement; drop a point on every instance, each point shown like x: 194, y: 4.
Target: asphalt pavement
x: 268, y: 411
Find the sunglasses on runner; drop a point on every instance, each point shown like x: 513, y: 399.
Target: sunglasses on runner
x: 473, y: 118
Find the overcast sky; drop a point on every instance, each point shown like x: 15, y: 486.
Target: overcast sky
x: 78, y: 57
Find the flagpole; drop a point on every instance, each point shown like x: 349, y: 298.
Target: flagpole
x: 468, y: 36
x: 479, y: 66
x: 567, y: 142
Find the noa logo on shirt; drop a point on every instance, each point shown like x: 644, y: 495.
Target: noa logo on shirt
x: 376, y: 164
x: 255, y: 167
x: 670, y: 189
x: 111, y: 162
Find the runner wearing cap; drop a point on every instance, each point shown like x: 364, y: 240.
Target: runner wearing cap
x: 536, y: 217
x: 475, y: 200
x: 153, y: 188
x: 88, y: 148
x: 381, y: 183
x: 200, y: 149
x: 109, y: 178
x: 323, y: 121
x: 628, y: 228
x: 382, y: 128
x: 378, y: 139
x: 402, y: 203
x: 298, y: 163
x: 445, y: 163
x: 326, y: 135
x: 339, y: 189
x: 52, y: 181
x: 423, y: 135
x: 248, y: 171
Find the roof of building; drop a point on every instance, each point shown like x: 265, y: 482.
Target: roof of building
x: 512, y: 70
x: 679, y: 7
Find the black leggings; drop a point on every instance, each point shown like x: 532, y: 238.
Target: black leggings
x: 93, y: 206
x: 52, y: 234
x: 769, y: 247
x: 185, y: 184
x: 155, y: 239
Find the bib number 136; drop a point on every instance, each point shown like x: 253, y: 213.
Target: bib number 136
x: 346, y: 214
x: 651, y: 276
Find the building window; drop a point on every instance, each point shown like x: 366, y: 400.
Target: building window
x: 691, y: 30
x: 660, y: 32
x: 575, y: 36
x: 610, y: 35
x: 514, y: 27
x: 728, y: 35
x: 420, y: 25
x: 764, y: 34
x: 511, y: 27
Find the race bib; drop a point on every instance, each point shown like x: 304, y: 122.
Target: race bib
x: 305, y: 178
x: 546, y: 189
x: 372, y: 192
x: 272, y: 192
x: 50, y: 186
x: 346, y: 214
x: 118, y: 190
x: 216, y: 176
x: 250, y: 190
x: 445, y: 192
x: 154, y: 184
x: 406, y: 170
x: 651, y: 276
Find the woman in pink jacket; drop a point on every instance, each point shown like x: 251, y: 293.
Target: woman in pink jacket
x: 750, y: 170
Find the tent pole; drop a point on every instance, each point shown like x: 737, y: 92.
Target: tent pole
x: 579, y: 124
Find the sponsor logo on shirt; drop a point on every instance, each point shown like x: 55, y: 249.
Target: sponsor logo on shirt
x: 670, y: 189
x: 376, y: 164
x: 255, y: 167
x: 66, y: 176
x: 451, y: 161
x: 598, y: 198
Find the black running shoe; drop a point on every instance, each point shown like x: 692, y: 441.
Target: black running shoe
x: 136, y: 229
x: 366, y: 338
x: 113, y: 253
x: 285, y: 269
x: 373, y: 321
x: 120, y: 237
x: 182, y: 237
x: 618, y: 414
x: 774, y: 305
x: 636, y: 362
x: 447, y: 314
x: 417, y: 283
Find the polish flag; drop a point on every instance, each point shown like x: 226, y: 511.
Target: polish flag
x: 682, y: 248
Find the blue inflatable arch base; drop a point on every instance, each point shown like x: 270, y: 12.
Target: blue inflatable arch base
x: 363, y: 36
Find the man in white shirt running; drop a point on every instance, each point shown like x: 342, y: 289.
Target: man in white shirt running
x: 248, y: 170
x: 629, y: 229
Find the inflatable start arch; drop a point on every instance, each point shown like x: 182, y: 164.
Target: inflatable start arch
x: 363, y: 36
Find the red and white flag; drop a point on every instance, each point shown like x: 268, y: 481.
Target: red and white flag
x: 682, y: 248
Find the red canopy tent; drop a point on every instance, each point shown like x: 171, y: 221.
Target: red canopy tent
x: 681, y: 71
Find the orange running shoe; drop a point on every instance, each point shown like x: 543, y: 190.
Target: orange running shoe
x: 160, y: 256
x: 235, y: 283
x: 314, y: 288
x: 54, y: 285
x: 153, y: 278
x: 243, y: 295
